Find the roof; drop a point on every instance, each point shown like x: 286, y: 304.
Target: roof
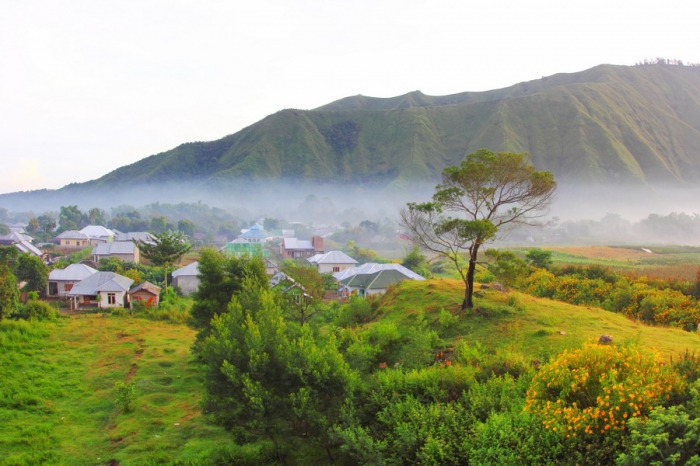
x: 74, y: 272
x: 14, y: 237
x: 332, y: 257
x: 144, y: 236
x: 191, y: 270
x: 97, y: 231
x: 375, y: 281
x: 293, y: 243
x: 119, y: 247
x: 146, y: 286
x: 26, y: 246
x: 72, y: 234
x: 372, y: 267
x: 101, y: 281
x: 255, y: 232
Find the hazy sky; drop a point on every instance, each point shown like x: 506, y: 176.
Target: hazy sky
x: 89, y: 86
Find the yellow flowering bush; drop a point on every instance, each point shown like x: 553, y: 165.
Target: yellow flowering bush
x: 596, y: 389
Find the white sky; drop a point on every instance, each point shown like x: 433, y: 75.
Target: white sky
x: 90, y: 86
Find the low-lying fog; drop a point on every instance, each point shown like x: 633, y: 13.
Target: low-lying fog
x: 580, y: 214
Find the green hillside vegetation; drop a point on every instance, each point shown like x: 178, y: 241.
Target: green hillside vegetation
x: 59, y: 401
x: 617, y: 124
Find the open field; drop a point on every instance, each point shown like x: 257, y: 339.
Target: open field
x: 57, y: 400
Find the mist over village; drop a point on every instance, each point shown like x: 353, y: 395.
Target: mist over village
x: 238, y: 235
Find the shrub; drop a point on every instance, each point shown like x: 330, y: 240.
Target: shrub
x: 596, y: 389
x: 126, y: 394
x: 37, y: 310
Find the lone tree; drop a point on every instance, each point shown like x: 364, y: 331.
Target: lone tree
x: 486, y: 193
x: 166, y: 249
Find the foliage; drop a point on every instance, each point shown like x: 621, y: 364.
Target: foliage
x: 539, y: 258
x: 125, y: 395
x: 9, y: 295
x: 416, y: 261
x: 491, y: 191
x: 221, y: 278
x: 592, y: 392
x: 37, y: 310
x: 305, y: 304
x: 670, y: 436
x: 361, y: 255
x: 270, y: 377
x: 165, y: 250
x: 32, y: 270
x: 506, y: 266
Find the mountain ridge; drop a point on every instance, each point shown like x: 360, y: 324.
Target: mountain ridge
x: 610, y: 124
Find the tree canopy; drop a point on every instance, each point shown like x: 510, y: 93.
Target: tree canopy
x: 486, y: 193
x: 165, y: 250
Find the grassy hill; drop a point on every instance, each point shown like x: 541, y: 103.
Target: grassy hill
x: 57, y: 399
x: 607, y: 124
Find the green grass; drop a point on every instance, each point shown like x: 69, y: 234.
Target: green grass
x: 57, y: 399
x: 518, y: 323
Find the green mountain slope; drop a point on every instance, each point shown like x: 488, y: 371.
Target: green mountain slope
x: 607, y: 124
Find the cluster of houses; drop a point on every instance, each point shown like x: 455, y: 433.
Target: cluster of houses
x: 84, y: 286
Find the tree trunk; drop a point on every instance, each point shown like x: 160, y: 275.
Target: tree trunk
x: 468, y: 302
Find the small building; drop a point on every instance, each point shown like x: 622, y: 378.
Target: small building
x: 370, y: 279
x: 187, y: 278
x: 72, y: 239
x: 255, y: 234
x: 333, y: 261
x: 293, y: 248
x: 103, y: 290
x: 126, y: 251
x: 145, y: 292
x: 144, y: 236
x: 240, y: 247
x: 98, y: 234
x: 61, y: 281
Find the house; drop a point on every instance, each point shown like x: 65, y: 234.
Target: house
x: 145, y: 292
x: 255, y: 234
x: 144, y: 236
x: 101, y: 289
x: 126, y: 251
x: 98, y: 234
x: 23, y: 243
x: 293, y: 248
x: 61, y: 281
x: 240, y: 247
x: 187, y: 278
x: 270, y: 267
x: 72, y: 239
x: 287, y: 285
x: 370, y: 279
x: 333, y: 261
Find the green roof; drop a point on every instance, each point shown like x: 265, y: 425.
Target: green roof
x: 250, y: 249
x: 375, y: 281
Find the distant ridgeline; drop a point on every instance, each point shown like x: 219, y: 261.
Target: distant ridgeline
x: 637, y: 125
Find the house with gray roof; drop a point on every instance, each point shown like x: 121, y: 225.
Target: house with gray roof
x: 101, y: 289
x: 333, y: 261
x: 187, y: 278
x: 61, y: 281
x: 72, y: 239
x: 370, y: 279
x: 98, y: 234
x: 144, y: 236
x: 126, y: 251
x: 293, y: 248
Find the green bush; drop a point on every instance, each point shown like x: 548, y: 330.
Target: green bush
x: 37, y: 310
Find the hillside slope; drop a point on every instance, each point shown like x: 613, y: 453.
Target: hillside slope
x: 607, y: 124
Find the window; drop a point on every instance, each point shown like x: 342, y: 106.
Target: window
x: 111, y: 298
x: 336, y: 269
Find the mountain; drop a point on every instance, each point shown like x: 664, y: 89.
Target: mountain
x: 610, y: 124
